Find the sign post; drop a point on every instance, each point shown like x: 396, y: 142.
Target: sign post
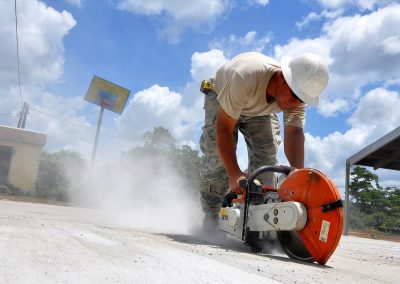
x: 109, y: 96
x: 96, y: 140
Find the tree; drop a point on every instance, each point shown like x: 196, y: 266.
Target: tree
x: 158, y: 142
x: 373, y: 206
x: 393, y: 198
x: 188, y: 163
x: 366, y: 191
x: 160, y: 149
x: 159, y: 139
x: 58, y: 172
x: 362, y: 181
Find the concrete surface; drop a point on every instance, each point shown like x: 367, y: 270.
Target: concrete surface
x: 54, y: 244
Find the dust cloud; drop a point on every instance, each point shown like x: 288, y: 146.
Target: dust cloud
x: 147, y: 193
x: 150, y: 194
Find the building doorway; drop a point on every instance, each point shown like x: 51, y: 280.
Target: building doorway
x: 5, y: 162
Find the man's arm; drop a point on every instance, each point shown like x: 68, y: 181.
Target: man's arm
x: 227, y: 149
x: 294, y: 146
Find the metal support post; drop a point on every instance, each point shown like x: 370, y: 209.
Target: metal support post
x: 346, y: 203
x: 97, y: 137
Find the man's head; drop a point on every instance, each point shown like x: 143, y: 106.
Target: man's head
x: 284, y: 96
x: 306, y: 75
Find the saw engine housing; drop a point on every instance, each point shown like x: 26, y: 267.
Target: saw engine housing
x: 304, y: 213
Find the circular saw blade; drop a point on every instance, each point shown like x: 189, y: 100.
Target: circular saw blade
x: 293, y: 246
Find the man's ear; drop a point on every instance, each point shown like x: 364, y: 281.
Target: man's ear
x: 280, y: 76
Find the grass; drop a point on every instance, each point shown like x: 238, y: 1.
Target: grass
x: 374, y: 234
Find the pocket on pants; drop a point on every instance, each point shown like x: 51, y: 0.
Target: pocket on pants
x: 211, y: 106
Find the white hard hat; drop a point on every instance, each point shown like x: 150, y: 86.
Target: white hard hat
x: 307, y: 76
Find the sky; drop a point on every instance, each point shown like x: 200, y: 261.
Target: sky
x: 161, y: 50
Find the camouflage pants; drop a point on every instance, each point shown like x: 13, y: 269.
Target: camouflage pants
x: 262, y: 138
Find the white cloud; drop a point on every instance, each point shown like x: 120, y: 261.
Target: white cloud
x: 332, y: 108
x: 319, y: 46
x: 392, y: 82
x: 175, y: 15
x: 391, y: 45
x: 41, y: 30
x: 156, y: 106
x: 205, y: 64
x: 62, y: 119
x: 333, y: 3
x: 360, y: 50
x: 311, y: 17
x: 378, y: 108
x: 77, y: 3
x: 361, y: 4
x: 359, y: 44
x: 159, y: 99
x: 234, y: 44
x: 196, y: 10
x: 259, y: 2
x: 376, y: 115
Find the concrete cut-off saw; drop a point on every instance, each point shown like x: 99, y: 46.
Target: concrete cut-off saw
x: 304, y: 213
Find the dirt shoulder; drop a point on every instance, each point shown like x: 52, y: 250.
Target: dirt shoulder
x: 374, y: 234
x: 31, y: 199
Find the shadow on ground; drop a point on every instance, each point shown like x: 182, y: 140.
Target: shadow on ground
x: 220, y: 240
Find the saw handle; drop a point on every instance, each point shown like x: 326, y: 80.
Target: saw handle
x: 250, y: 181
x: 275, y: 169
x: 243, y: 183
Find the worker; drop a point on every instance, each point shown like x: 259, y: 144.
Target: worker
x: 245, y: 95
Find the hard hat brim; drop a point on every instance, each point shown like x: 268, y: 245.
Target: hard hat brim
x: 287, y: 74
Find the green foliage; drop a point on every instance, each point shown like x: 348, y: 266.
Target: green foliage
x: 373, y: 206
x: 13, y: 190
x: 188, y: 163
x: 357, y: 219
x: 160, y: 149
x: 160, y: 139
x: 58, y: 172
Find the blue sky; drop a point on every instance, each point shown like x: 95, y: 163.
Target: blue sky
x: 161, y: 50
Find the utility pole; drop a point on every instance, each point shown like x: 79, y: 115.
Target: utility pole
x: 22, y: 115
x: 25, y: 115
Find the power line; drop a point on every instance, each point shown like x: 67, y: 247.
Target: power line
x: 16, y: 38
x: 62, y: 119
x: 91, y: 129
x: 10, y: 113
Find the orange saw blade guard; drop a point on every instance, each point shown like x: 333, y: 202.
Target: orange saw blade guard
x: 319, y: 194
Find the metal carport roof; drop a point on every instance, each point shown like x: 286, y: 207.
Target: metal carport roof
x: 382, y: 154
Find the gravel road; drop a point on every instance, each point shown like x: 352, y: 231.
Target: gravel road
x: 55, y: 244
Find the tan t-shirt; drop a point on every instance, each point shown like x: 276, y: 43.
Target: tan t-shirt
x: 241, y: 85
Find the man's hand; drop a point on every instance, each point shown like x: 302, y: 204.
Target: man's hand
x: 234, y: 183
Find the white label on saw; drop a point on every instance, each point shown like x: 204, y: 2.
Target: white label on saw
x: 323, y: 235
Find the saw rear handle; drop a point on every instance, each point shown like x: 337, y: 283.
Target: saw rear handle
x: 256, y: 190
